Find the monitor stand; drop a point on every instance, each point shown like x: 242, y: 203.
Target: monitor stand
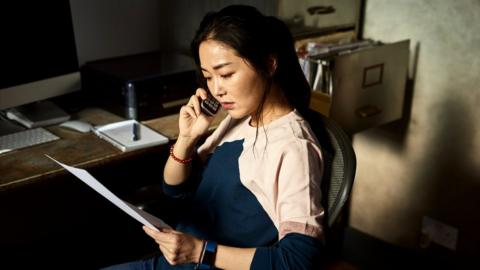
x: 37, y: 114
x: 8, y: 126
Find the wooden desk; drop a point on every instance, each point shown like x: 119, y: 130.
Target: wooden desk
x: 28, y: 165
x: 52, y: 218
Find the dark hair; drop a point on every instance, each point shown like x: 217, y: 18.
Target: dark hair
x: 256, y: 38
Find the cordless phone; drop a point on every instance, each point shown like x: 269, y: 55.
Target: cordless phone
x: 210, y: 106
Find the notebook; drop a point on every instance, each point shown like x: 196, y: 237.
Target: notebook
x: 129, y: 135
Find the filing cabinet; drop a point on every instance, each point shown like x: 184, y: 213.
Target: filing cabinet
x: 361, y: 84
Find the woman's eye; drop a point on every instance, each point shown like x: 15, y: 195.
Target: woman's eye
x: 208, y: 78
x: 226, y: 76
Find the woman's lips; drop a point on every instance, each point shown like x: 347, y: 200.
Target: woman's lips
x: 227, y: 105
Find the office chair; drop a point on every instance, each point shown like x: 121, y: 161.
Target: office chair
x: 338, y: 178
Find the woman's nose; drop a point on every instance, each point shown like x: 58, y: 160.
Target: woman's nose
x: 217, y: 88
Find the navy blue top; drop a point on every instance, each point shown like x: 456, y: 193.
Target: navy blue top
x: 224, y: 210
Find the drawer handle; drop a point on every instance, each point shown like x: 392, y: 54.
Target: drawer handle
x: 367, y: 111
x: 320, y: 10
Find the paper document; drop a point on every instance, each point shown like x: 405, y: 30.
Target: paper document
x: 135, y: 212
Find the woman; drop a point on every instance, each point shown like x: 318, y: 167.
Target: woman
x: 256, y: 204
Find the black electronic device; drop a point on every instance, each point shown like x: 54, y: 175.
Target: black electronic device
x: 210, y: 105
x: 130, y: 101
x: 39, y: 62
x: 142, y: 86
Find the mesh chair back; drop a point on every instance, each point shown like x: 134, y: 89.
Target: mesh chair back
x: 339, y: 164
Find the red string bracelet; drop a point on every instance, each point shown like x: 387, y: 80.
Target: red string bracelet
x: 183, y: 161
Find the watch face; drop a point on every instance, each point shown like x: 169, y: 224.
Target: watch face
x: 210, y: 106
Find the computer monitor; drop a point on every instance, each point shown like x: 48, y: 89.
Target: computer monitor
x: 38, y: 55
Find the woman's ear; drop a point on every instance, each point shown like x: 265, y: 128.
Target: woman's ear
x: 272, y: 65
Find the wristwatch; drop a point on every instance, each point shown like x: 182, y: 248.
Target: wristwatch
x: 208, y: 256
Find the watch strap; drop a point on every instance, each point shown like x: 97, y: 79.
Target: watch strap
x: 208, y: 258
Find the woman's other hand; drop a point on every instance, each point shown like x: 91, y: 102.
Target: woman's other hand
x: 176, y: 247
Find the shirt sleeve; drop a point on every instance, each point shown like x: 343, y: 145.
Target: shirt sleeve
x: 294, y: 251
x: 298, y: 204
x: 185, y: 190
x: 176, y: 191
x: 298, y: 209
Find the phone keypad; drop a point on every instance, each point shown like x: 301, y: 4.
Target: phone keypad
x: 210, y: 106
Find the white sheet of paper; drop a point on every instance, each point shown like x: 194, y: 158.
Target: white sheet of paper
x: 135, y: 212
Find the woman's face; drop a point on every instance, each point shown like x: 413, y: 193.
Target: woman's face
x: 230, y: 79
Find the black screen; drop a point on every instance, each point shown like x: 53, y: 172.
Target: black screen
x: 37, y: 41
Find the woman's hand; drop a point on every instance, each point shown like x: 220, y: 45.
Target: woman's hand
x: 192, y: 123
x: 177, y: 247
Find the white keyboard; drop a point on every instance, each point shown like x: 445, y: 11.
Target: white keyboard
x: 25, y: 138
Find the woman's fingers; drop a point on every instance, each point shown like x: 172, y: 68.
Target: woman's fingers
x: 177, y: 247
x: 190, y: 110
x: 156, y: 234
x: 201, y: 93
x: 167, y: 237
x: 194, y: 103
x: 168, y: 255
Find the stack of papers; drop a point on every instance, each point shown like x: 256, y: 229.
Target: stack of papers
x: 129, y: 135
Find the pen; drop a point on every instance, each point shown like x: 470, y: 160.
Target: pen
x: 136, y: 131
